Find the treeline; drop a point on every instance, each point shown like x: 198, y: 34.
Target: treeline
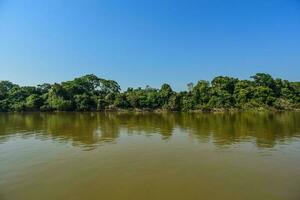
x: 90, y: 93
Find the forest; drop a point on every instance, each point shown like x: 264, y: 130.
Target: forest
x: 91, y: 93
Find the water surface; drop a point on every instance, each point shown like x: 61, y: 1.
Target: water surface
x: 150, y: 156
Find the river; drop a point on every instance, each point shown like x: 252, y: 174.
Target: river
x: 141, y: 156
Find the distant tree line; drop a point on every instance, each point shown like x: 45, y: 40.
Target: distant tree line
x: 90, y: 93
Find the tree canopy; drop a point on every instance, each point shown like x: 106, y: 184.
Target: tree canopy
x: 91, y: 93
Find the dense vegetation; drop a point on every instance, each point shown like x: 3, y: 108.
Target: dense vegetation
x: 90, y: 93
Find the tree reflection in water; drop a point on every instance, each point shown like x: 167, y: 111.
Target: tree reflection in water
x: 90, y: 129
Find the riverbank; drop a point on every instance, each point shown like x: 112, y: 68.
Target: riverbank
x: 135, y: 110
x: 91, y: 93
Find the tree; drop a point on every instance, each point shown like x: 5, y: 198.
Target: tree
x: 33, y: 102
x: 44, y: 88
x: 264, y: 80
x: 121, y: 101
x: 5, y: 87
x: 224, y: 83
x: 58, y: 99
x: 263, y: 95
x: 165, y: 93
x: 89, y: 93
x: 190, y: 86
x: 187, y: 102
x: 222, y: 92
x: 173, y: 103
x: 201, y: 92
x: 84, y: 102
x: 243, y: 92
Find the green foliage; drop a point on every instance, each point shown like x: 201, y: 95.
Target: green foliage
x: 224, y: 83
x: 265, y: 80
x: 165, y: 94
x: 121, y: 101
x: 5, y: 87
x: 90, y: 93
x: 263, y: 95
x: 201, y: 92
x: 187, y: 101
x: 84, y: 102
x: 173, y: 103
x: 33, y: 102
x: 243, y: 93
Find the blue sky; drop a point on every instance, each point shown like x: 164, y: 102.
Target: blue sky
x: 141, y: 43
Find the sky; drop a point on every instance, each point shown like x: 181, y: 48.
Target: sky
x: 148, y: 42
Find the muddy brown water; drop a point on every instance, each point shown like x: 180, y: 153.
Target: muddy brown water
x: 166, y: 156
